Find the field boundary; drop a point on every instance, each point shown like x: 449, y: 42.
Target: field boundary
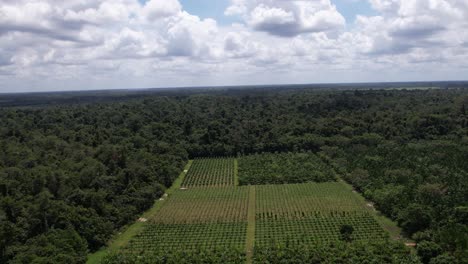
x: 250, y: 237
x: 122, y: 238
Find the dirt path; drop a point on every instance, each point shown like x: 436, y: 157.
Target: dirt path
x: 250, y: 237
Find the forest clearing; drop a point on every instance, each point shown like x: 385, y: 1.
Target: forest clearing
x: 217, y: 216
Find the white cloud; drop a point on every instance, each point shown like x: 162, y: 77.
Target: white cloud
x: 413, y: 24
x: 123, y: 43
x: 288, y: 18
x: 157, y: 9
x: 389, y: 6
x: 237, y: 7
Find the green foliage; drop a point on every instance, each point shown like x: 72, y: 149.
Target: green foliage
x: 311, y: 213
x: 428, y: 250
x: 210, y: 172
x: 157, y: 237
x: 92, y: 165
x: 55, y: 246
x: 180, y: 256
x: 415, y: 218
x: 73, y: 169
x: 283, y: 168
x: 337, y: 252
x: 443, y: 259
x: 204, y: 204
x: 196, y: 218
x: 346, y: 232
x: 423, y: 185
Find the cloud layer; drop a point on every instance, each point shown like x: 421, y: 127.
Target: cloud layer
x: 91, y: 44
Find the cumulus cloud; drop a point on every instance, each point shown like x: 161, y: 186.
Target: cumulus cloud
x: 119, y: 43
x: 413, y: 24
x: 156, y: 9
x: 288, y: 18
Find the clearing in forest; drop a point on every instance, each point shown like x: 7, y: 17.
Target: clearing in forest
x: 210, y: 212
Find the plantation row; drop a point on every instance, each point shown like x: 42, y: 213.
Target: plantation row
x: 201, y: 205
x: 210, y: 172
x: 268, y: 168
x: 212, y: 217
x: 306, y: 198
x: 180, y: 256
x: 160, y: 237
x: 259, y: 169
x: 311, y: 213
x: 316, y: 230
x: 358, y: 252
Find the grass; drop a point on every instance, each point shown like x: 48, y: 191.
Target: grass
x: 128, y: 232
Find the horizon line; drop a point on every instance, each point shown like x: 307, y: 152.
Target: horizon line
x: 136, y: 89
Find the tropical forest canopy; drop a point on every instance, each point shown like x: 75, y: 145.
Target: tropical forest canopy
x: 72, y: 174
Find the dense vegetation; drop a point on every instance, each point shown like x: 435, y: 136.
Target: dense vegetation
x: 70, y: 175
x: 198, y: 256
x: 207, y: 219
x: 337, y: 253
x: 423, y: 186
x: 268, y: 168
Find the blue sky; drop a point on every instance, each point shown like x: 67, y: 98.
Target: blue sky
x: 215, y: 9
x: 108, y: 44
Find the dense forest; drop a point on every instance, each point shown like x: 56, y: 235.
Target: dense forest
x: 72, y: 174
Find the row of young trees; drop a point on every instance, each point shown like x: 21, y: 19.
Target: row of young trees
x: 71, y: 175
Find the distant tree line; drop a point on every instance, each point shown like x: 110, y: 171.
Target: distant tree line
x: 71, y: 175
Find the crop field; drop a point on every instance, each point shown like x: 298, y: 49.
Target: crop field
x: 201, y: 205
x: 160, y: 237
x: 269, y: 168
x: 316, y: 230
x: 199, y: 217
x: 210, y: 213
x: 210, y: 172
x: 298, y: 200
x: 310, y: 213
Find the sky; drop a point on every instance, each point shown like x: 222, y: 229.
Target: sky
x: 55, y: 45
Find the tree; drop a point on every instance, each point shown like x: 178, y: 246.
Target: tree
x: 414, y: 218
x: 428, y: 250
x: 346, y: 232
x: 443, y: 259
x: 55, y: 246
